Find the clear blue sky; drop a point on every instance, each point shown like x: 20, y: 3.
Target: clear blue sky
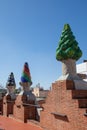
x: 30, y: 31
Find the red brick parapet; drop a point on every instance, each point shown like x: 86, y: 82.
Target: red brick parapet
x: 65, y: 107
x: 25, y: 109
x: 8, y: 105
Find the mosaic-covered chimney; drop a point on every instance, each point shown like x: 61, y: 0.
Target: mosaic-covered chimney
x: 68, y: 52
x: 11, y: 85
x: 26, y: 82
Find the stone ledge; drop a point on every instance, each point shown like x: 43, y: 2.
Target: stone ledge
x: 59, y: 114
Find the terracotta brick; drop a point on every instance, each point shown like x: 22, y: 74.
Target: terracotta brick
x: 1, y: 106
x: 23, y: 111
x: 8, y: 105
x: 63, y: 109
x: 79, y: 94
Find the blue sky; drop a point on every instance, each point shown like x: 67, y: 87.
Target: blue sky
x: 30, y: 31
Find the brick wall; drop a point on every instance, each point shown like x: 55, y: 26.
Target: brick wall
x: 1, y: 106
x: 65, y: 108
x: 23, y: 111
x: 8, y: 105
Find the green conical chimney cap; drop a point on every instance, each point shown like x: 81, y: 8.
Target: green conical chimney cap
x: 67, y: 27
x: 68, y: 46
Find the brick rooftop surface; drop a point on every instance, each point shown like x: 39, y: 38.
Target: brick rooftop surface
x: 11, y: 124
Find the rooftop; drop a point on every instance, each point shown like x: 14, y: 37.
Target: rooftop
x: 12, y: 124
